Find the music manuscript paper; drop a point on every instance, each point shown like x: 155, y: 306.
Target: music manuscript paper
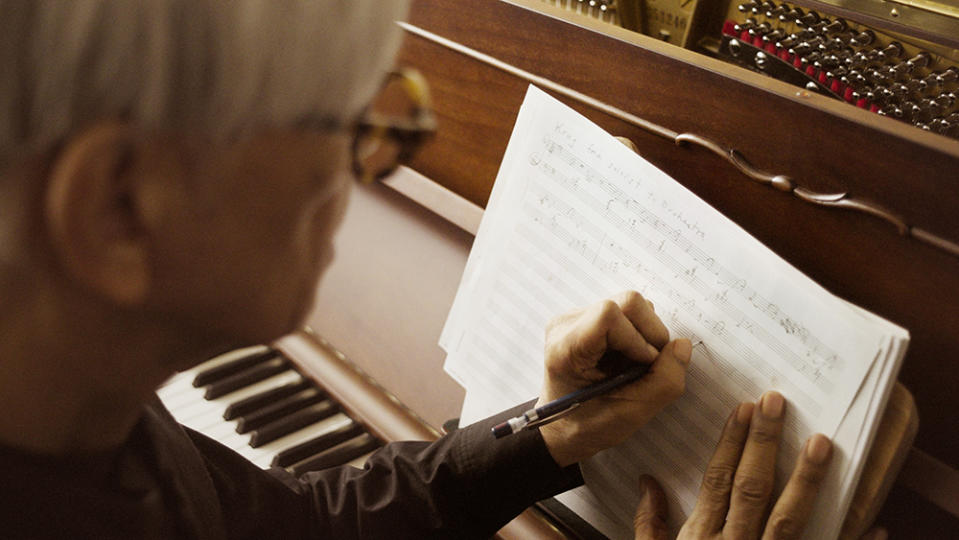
x: 576, y: 217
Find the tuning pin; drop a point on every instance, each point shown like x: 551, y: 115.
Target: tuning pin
x: 893, y: 50
x: 856, y: 61
x: 776, y: 11
x: 760, y: 29
x: 831, y: 61
x: 792, y: 15
x: 871, y: 55
x: 808, y: 19
x: 789, y: 42
x: 855, y: 79
x: 747, y: 7
x: 835, y: 27
x: 949, y: 75
x: 946, y: 99
x: 901, y: 92
x: 881, y: 95
x: 745, y: 26
x: 915, y: 86
x: 810, y: 59
x: 892, y: 111
x: 911, y: 109
x: 864, y: 38
x: 835, y: 44
x: 898, y: 70
x: 766, y: 6
x: 802, y: 49
x: 938, y: 125
x: 817, y: 42
x: 837, y: 73
x: 774, y: 37
x: 845, y: 37
x: 929, y: 109
x: 932, y: 80
x: 877, y: 77
x: 921, y: 60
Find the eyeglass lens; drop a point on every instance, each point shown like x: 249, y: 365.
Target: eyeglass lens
x: 377, y: 151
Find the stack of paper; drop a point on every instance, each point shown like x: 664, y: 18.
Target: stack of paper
x: 576, y: 217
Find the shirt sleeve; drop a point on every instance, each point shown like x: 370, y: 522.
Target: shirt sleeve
x: 465, y: 485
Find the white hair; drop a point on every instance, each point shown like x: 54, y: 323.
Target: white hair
x: 213, y: 65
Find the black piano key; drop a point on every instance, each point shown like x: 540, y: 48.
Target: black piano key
x: 317, y: 445
x: 338, y: 455
x: 216, y: 373
x: 293, y: 422
x: 250, y: 404
x: 279, y: 409
x: 246, y: 377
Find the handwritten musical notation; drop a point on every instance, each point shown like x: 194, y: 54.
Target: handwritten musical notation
x: 670, y: 237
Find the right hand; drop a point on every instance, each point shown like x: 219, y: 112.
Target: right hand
x: 576, y: 342
x: 738, y: 484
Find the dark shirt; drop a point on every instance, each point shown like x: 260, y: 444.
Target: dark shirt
x: 169, y: 481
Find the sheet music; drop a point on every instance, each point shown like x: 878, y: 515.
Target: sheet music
x: 576, y: 217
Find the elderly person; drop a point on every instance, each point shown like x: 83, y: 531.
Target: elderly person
x: 171, y: 176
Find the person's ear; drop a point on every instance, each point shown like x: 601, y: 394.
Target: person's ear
x: 91, y: 215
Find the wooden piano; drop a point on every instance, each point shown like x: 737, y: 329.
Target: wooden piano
x: 861, y: 198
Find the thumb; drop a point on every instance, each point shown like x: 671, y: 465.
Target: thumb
x: 650, y: 519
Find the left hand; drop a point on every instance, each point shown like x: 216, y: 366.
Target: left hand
x: 734, y: 500
x: 576, y: 342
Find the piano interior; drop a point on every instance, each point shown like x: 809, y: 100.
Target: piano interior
x: 855, y: 99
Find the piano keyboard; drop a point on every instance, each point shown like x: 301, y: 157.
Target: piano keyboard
x: 255, y: 401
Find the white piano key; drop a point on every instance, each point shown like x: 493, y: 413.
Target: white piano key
x: 263, y: 455
x: 360, y: 461
x: 187, y: 409
x: 214, y: 362
x: 190, y: 408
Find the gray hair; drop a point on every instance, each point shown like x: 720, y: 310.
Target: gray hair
x: 212, y: 65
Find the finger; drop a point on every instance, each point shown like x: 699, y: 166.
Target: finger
x: 641, y: 313
x: 666, y: 379
x: 649, y: 522
x: 604, y: 327
x: 709, y: 515
x: 791, y: 513
x: 753, y: 483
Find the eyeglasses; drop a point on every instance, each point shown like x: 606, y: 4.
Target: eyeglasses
x: 390, y: 130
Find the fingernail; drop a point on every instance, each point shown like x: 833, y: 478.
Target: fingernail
x: 653, y: 352
x: 818, y: 449
x: 744, y: 413
x: 683, y: 349
x: 772, y: 405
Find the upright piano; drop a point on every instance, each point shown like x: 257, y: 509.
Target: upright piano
x: 828, y: 129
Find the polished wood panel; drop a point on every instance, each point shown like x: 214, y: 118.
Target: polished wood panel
x: 384, y: 300
x: 822, y: 144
